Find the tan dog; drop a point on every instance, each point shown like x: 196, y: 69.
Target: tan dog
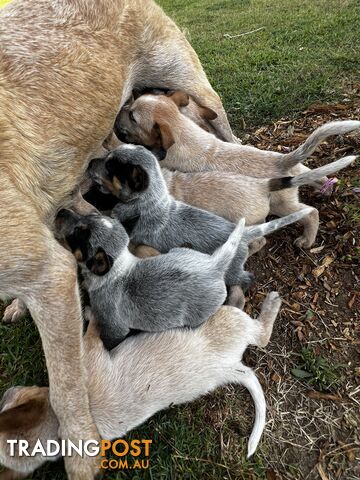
x: 144, y: 374
x: 66, y: 68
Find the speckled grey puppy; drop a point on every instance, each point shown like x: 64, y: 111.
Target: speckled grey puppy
x: 153, y: 217
x: 181, y: 288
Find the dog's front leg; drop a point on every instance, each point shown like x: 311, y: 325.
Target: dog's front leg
x: 54, y: 303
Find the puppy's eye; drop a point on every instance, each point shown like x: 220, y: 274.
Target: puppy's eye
x: 131, y: 116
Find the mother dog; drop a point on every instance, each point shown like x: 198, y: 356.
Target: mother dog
x: 66, y: 69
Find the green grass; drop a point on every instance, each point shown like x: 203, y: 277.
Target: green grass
x: 317, y: 371
x: 307, y: 52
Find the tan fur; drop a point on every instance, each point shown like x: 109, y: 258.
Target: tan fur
x: 66, y: 68
x: 235, y: 196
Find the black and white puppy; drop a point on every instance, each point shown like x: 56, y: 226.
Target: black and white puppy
x: 153, y: 217
x: 181, y: 288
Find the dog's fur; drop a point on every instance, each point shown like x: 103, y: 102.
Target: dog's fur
x: 144, y: 374
x: 155, y: 120
x: 179, y: 289
x: 66, y: 69
x: 233, y: 196
x: 154, y: 218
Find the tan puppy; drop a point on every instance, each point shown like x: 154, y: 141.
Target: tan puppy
x: 156, y: 121
x: 66, y: 68
x: 144, y: 374
x: 235, y: 196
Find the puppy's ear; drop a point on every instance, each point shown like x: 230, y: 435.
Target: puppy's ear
x: 207, y: 114
x: 165, y: 136
x: 101, y: 263
x: 26, y: 416
x: 140, y: 179
x: 180, y: 98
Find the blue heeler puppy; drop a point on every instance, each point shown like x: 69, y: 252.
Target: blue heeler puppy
x: 153, y: 217
x: 181, y: 288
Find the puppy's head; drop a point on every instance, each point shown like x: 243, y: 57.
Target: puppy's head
x: 25, y: 414
x: 147, y: 120
x: 128, y: 172
x: 95, y: 240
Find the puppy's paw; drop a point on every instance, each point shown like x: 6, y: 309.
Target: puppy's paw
x: 273, y: 301
x: 15, y: 312
x: 256, y: 245
x: 236, y: 297
x: 247, y: 279
x: 303, y: 242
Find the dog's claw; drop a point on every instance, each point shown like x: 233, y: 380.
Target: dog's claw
x: 14, y: 312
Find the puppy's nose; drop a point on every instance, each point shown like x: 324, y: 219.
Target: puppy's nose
x: 121, y: 134
x: 64, y: 214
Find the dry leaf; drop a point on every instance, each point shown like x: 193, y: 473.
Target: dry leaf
x: 275, y: 377
x: 317, y: 249
x: 352, y: 301
x: 315, y: 395
x: 271, y: 475
x: 318, y: 271
x: 328, y: 261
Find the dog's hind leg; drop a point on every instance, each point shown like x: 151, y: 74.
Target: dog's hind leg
x: 269, y: 311
x: 310, y: 222
x: 236, y: 297
x: 43, y: 275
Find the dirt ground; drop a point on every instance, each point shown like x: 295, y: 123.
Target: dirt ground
x: 317, y: 430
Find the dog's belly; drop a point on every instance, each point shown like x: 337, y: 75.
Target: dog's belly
x: 60, y: 91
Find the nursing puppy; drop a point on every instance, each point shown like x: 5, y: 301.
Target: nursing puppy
x: 153, y: 217
x: 144, y: 374
x: 233, y: 196
x: 179, y: 289
x: 199, y: 114
x: 155, y: 120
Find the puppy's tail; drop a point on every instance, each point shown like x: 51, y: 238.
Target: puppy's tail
x: 311, y: 176
x: 225, y: 254
x: 247, y: 378
x: 289, y: 160
x: 257, y: 231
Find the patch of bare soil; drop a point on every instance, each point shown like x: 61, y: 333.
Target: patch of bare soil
x: 313, y: 434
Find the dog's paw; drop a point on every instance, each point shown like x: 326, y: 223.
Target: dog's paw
x: 247, y: 279
x: 303, y: 242
x: 15, y: 312
x: 256, y: 245
x: 273, y: 300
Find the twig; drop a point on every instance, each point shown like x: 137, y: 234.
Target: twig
x: 227, y: 35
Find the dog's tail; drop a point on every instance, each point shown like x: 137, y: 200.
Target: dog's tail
x: 247, y: 378
x: 225, y: 254
x: 311, y: 176
x: 289, y: 160
x: 257, y: 231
